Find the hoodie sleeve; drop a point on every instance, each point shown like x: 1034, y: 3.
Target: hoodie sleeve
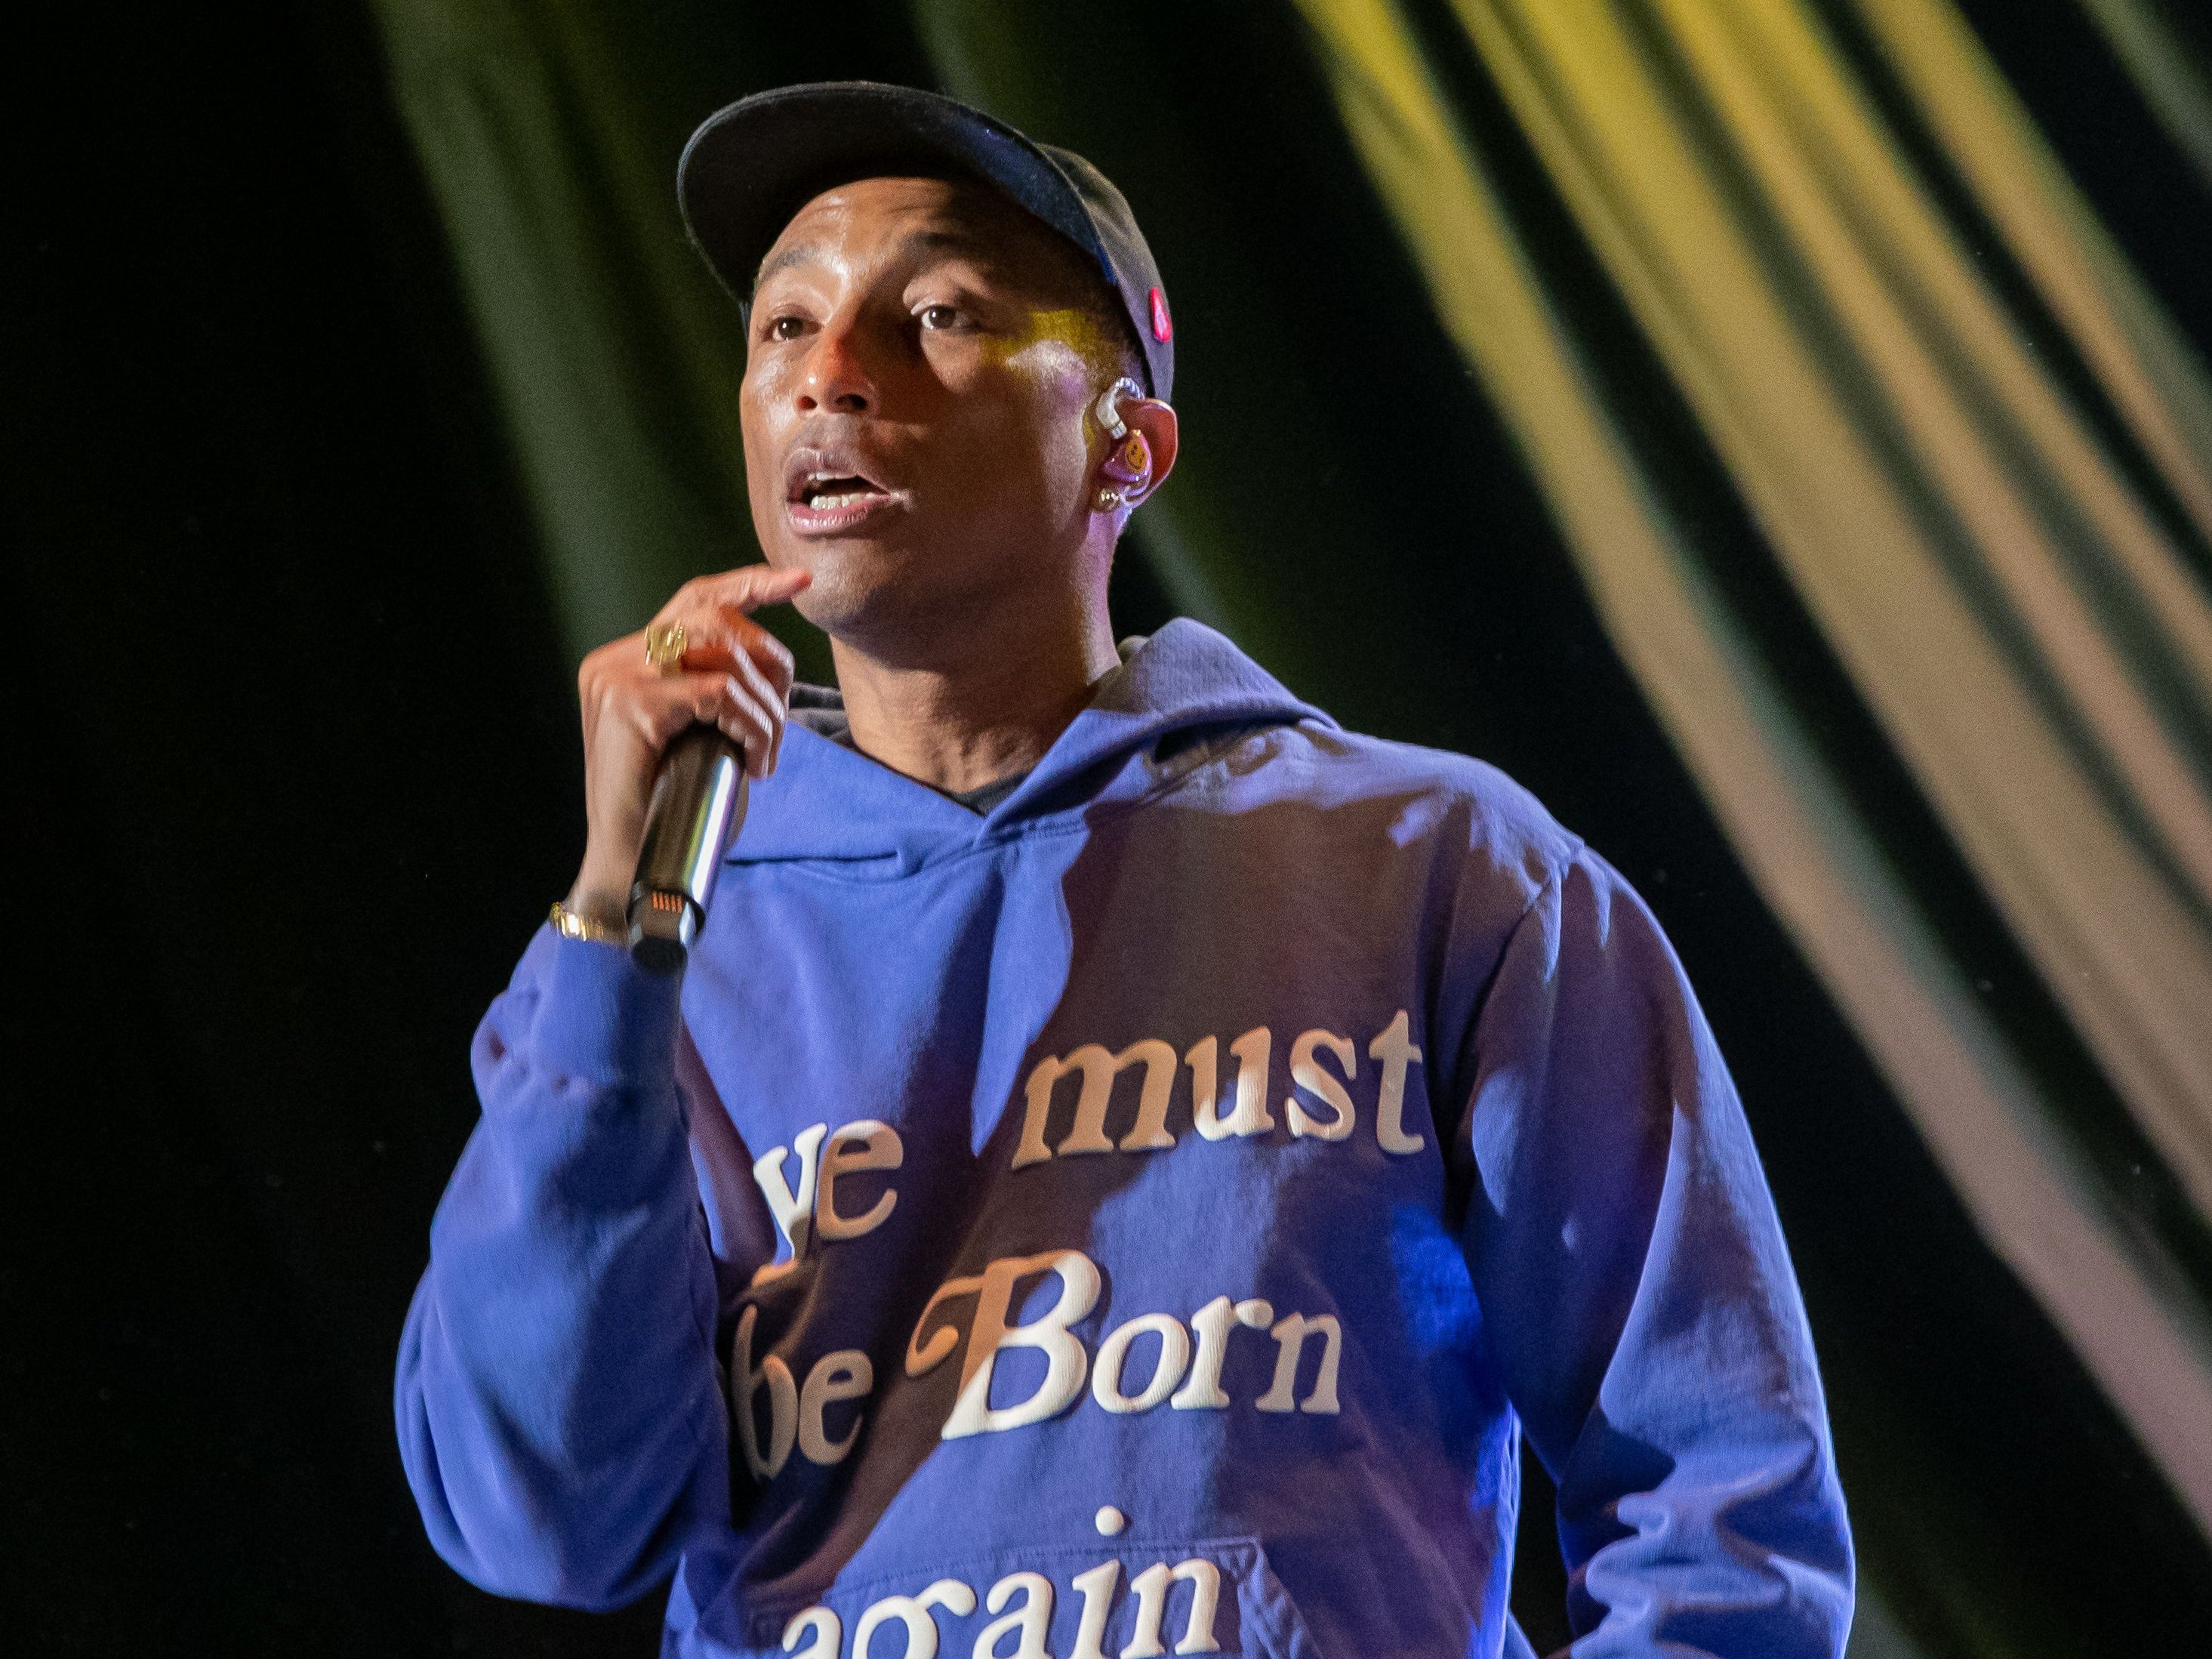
x: 1637, y: 1298
x: 558, y: 1405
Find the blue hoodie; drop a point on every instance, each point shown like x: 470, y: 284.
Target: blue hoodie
x: 1141, y: 1218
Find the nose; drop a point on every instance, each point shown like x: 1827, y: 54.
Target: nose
x: 837, y: 378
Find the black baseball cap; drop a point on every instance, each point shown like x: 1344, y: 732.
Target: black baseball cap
x: 750, y: 167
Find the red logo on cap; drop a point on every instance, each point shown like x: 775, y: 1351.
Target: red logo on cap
x: 1162, y: 330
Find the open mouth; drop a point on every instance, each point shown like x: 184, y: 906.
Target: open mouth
x: 828, y: 493
x: 826, y: 496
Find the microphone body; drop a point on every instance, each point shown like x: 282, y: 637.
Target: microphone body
x: 698, y: 801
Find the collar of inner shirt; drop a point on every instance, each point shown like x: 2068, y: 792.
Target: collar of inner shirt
x: 822, y: 708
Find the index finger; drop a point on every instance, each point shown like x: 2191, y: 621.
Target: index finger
x: 750, y: 586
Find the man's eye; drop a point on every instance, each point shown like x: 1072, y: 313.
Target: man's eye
x: 786, y: 328
x: 939, y: 316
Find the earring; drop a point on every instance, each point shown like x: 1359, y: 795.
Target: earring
x: 1109, y: 499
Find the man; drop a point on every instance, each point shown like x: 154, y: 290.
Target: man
x: 1127, y: 1159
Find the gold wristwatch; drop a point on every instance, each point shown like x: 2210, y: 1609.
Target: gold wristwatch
x: 570, y: 924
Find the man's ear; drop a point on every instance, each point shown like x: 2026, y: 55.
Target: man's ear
x: 1138, y: 464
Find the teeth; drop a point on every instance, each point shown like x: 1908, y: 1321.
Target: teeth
x: 831, y: 503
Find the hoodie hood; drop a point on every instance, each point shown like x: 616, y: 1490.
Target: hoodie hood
x: 1176, y: 690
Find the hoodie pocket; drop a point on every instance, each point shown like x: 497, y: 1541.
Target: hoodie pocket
x: 1124, y: 1600
x: 1269, y: 1614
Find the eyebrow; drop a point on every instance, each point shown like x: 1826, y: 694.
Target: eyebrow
x: 797, y: 255
x: 927, y: 241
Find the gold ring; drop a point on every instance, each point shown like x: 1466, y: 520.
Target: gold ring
x: 663, y: 647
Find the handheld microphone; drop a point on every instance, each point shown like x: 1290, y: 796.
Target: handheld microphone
x: 698, y: 801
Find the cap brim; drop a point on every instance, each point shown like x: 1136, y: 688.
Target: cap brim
x: 750, y: 167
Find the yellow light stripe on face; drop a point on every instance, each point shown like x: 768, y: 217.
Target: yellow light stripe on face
x: 1078, y: 333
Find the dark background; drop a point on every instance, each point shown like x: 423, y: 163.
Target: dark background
x: 292, y: 772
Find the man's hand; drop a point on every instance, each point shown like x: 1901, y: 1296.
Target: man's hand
x: 735, y: 675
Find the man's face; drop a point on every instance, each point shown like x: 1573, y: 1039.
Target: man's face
x: 920, y: 365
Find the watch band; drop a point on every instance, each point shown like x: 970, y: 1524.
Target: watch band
x: 570, y: 924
